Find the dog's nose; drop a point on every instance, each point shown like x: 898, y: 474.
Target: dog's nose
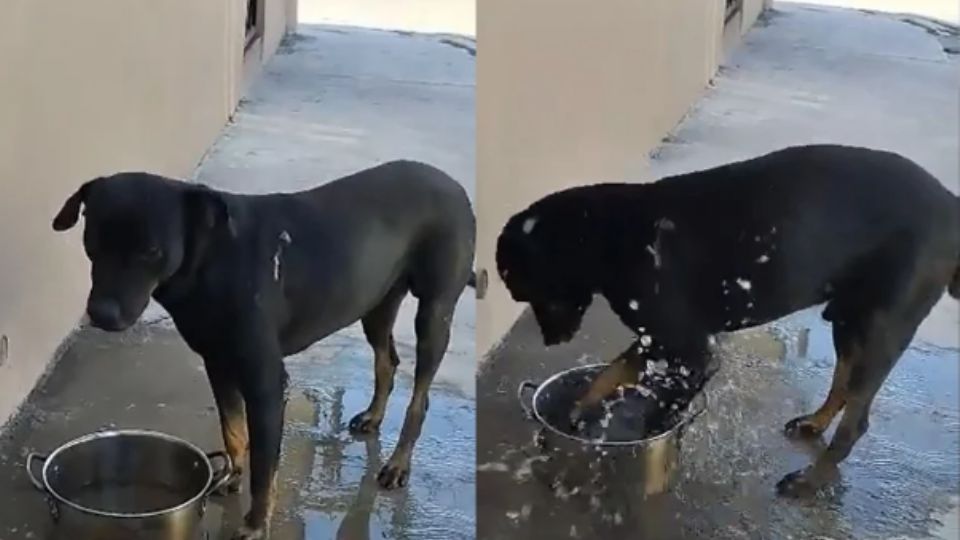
x: 104, y: 314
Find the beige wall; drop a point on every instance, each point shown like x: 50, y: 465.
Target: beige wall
x: 752, y: 10
x: 571, y: 93
x: 91, y: 88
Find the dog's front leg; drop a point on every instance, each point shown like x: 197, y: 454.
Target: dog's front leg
x: 678, y: 372
x: 233, y: 418
x: 623, y: 370
x: 264, y: 389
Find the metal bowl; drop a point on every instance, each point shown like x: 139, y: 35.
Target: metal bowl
x: 647, y: 465
x: 129, y: 484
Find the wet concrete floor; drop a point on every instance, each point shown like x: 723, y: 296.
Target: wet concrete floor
x: 146, y: 378
x: 901, y: 477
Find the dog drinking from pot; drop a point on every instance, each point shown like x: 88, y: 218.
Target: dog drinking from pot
x: 870, y: 234
x: 251, y: 279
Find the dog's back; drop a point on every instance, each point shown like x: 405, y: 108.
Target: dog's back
x: 789, y: 227
x: 811, y: 218
x: 340, y: 247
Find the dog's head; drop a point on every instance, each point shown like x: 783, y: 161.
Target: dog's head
x: 139, y: 230
x: 541, y: 264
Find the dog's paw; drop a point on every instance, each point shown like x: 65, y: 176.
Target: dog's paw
x: 576, y: 418
x: 364, y: 422
x: 393, y: 476
x: 234, y: 485
x: 798, y: 484
x: 802, y: 427
x: 582, y: 415
x: 249, y: 533
x: 795, y: 484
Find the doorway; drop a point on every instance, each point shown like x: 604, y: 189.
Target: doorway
x: 254, y: 22
x: 734, y: 7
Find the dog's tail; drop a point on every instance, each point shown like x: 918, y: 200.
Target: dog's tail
x: 954, y: 287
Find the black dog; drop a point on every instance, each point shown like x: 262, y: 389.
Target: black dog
x: 249, y: 280
x: 870, y: 234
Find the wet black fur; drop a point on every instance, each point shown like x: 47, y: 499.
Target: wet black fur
x: 251, y: 279
x: 870, y: 234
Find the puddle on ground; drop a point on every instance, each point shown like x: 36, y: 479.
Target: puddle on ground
x: 900, y: 480
x: 328, y: 476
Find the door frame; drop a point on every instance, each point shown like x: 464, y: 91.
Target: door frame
x: 733, y: 7
x: 255, y: 31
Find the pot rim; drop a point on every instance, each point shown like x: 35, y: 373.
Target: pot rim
x: 670, y: 433
x: 108, y: 434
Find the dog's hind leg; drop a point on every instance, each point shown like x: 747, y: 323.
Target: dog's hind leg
x: 233, y: 418
x: 378, y: 327
x: 879, y: 338
x: 813, y: 425
x: 433, y: 335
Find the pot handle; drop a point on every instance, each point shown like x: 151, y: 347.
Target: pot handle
x: 51, y: 502
x: 31, y: 457
x: 222, y: 475
x: 525, y: 385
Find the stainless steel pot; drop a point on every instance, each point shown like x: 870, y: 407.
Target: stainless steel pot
x: 127, y: 484
x: 639, y: 467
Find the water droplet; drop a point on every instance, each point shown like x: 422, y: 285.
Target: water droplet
x: 529, y: 224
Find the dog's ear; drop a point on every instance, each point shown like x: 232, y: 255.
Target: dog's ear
x: 68, y: 215
x: 516, y: 247
x: 206, y: 209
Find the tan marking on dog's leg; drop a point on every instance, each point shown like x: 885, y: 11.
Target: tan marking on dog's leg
x: 620, y: 372
x: 385, y: 368
x: 814, y: 424
x: 233, y: 426
x: 836, y: 397
x: 235, y: 436
x: 396, y: 471
x: 271, y: 501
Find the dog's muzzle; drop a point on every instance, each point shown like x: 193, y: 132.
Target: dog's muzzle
x: 558, y: 323
x: 106, y: 315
